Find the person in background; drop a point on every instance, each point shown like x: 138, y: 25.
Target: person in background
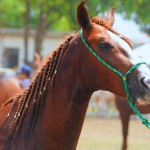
x: 24, y: 75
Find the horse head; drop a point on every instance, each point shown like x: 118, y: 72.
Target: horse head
x: 116, y: 51
x: 52, y: 110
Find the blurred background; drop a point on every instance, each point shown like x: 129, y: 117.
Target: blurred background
x: 31, y: 30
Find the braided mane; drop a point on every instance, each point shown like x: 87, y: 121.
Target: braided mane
x: 37, y: 90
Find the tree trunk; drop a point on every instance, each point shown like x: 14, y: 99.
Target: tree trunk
x: 40, y: 32
x: 26, y: 32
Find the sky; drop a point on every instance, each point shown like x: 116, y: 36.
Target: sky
x: 130, y: 29
x: 144, y: 52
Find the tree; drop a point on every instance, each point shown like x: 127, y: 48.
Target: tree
x: 46, y: 15
x: 43, y: 15
x: 65, y: 10
x: 26, y: 30
x: 138, y: 11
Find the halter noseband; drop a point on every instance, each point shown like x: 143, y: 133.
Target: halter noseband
x: 123, y: 76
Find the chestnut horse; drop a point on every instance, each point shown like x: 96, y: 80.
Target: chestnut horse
x: 9, y: 87
x: 125, y: 112
x: 49, y: 114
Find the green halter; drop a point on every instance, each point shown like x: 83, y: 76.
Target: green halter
x: 124, y: 77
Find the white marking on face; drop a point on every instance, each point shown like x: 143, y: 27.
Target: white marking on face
x: 121, y: 42
x: 132, y: 56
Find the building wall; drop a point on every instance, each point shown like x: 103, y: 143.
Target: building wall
x: 14, y: 40
x: 50, y: 44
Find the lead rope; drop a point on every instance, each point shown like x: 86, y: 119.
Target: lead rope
x: 124, y: 77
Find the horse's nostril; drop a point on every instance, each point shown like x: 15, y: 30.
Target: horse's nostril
x: 145, y: 82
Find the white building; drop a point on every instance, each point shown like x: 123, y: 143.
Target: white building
x: 12, y: 46
x: 12, y: 42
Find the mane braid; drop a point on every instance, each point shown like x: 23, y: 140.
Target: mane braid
x: 38, y: 102
x: 17, y: 113
x: 36, y: 91
x: 10, y: 111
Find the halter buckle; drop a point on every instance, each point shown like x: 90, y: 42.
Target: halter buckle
x: 124, y: 78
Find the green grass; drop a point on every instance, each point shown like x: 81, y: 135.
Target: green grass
x: 105, y: 134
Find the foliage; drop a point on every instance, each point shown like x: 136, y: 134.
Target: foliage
x: 11, y: 13
x: 61, y: 14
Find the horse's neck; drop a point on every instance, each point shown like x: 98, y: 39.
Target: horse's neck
x: 65, y: 108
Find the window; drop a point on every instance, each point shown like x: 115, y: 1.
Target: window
x: 10, y: 58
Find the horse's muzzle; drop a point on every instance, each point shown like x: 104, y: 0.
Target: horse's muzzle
x: 146, y: 82
x: 145, y: 86
x: 139, y: 88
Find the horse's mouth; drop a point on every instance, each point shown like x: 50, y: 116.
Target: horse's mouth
x: 141, y: 101
x: 139, y: 94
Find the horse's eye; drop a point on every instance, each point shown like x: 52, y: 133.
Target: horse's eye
x: 105, y: 45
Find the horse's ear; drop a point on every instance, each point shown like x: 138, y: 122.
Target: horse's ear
x: 110, y: 16
x: 82, y: 16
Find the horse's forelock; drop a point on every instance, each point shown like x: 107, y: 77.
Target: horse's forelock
x: 106, y: 24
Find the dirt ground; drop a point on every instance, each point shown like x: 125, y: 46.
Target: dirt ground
x: 105, y: 134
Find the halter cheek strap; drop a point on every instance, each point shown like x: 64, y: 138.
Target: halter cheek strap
x: 124, y: 78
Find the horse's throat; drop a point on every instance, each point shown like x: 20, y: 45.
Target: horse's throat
x: 65, y: 113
